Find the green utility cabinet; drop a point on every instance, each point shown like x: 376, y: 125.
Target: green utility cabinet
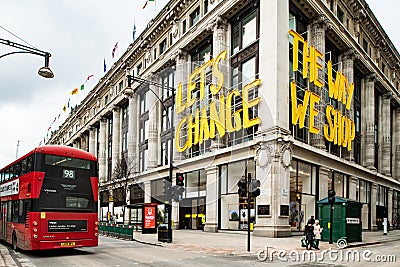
x: 346, y: 219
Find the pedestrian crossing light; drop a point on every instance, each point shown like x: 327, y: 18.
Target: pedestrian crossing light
x: 180, y: 179
x: 255, y: 187
x: 242, y: 191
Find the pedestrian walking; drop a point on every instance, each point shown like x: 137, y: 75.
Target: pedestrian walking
x: 309, y: 234
x: 317, y: 234
x: 312, y: 220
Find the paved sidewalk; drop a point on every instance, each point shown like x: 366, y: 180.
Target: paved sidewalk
x: 6, y: 259
x: 235, y: 242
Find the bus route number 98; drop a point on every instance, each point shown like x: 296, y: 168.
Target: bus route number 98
x: 69, y: 174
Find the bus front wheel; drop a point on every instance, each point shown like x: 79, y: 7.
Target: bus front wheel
x: 14, y: 241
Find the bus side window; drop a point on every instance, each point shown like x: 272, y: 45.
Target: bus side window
x: 23, y: 167
x: 9, y: 210
x: 1, y: 176
x: 29, y: 163
x: 17, y: 169
x: 15, y: 210
x: 21, y: 212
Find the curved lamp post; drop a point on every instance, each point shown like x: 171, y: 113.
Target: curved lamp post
x: 43, y: 71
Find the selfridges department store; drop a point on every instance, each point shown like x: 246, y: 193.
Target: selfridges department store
x: 302, y: 95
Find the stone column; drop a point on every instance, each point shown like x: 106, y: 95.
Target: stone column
x: 390, y: 207
x: 348, y: 71
x: 175, y: 214
x: 116, y: 145
x: 220, y: 30
x: 127, y: 211
x: 384, y: 134
x: 181, y: 75
x: 323, y: 183
x: 318, y: 29
x: 369, y: 115
x: 273, y: 73
x: 111, y: 203
x: 396, y: 143
x: 353, y: 182
x: 374, y: 188
x: 132, y: 132
x: 147, y: 191
x: 92, y: 140
x: 211, y: 224
x: 102, y: 152
x: 154, y: 102
x: 272, y: 168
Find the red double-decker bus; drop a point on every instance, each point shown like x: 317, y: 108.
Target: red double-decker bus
x: 49, y: 198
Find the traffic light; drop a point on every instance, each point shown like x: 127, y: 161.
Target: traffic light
x: 242, y: 191
x: 331, y: 196
x: 176, y: 192
x: 180, y: 179
x: 254, y: 187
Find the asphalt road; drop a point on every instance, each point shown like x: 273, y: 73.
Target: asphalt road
x: 119, y: 253
x: 115, y: 252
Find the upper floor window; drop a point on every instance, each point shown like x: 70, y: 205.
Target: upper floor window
x: 120, y: 86
x: 163, y: 46
x: 244, y: 31
x: 205, y: 6
x: 195, y: 16
x: 139, y: 69
x: 365, y: 45
x: 340, y: 15
x: 184, y: 26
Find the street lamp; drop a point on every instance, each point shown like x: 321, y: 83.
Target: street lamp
x: 43, y: 71
x: 130, y: 91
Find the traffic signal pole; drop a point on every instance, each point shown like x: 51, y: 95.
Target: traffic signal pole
x: 248, y: 210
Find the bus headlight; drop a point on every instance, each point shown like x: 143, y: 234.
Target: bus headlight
x: 35, y: 223
x: 35, y: 230
x: 35, y: 236
x: 96, y: 234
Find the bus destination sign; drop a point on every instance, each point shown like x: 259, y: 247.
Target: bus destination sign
x: 67, y: 226
x: 9, y: 188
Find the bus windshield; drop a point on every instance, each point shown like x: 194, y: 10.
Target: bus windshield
x: 67, y: 184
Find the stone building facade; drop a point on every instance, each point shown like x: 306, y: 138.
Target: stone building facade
x: 302, y: 95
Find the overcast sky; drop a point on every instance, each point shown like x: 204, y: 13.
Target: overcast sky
x: 79, y: 35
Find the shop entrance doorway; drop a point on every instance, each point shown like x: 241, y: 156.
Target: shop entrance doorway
x: 191, y: 212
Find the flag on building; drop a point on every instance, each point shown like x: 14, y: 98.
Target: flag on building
x: 105, y: 67
x: 147, y: 1
x: 114, y: 49
x: 134, y: 31
x: 65, y: 108
x: 74, y: 92
x: 82, y: 87
x: 88, y: 77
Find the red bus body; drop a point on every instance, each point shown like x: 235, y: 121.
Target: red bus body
x: 48, y: 204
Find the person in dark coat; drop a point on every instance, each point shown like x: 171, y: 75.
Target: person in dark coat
x: 309, y: 234
x: 312, y: 220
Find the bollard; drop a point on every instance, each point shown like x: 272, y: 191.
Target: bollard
x: 385, y: 226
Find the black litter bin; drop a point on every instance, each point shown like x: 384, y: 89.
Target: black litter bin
x: 163, y: 233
